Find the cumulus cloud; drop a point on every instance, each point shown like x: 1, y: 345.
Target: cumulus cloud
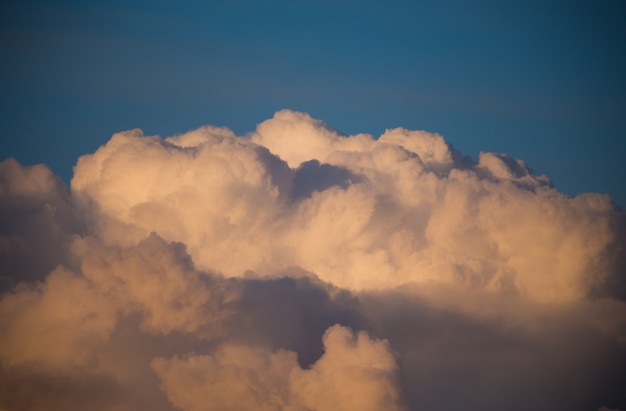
x: 37, y: 221
x: 355, y: 372
x: 217, y: 194
x: 299, y: 268
x: 361, y: 213
x: 63, y: 321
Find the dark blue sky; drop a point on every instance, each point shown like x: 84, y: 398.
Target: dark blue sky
x: 539, y: 80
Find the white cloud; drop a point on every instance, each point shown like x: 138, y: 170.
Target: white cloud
x: 57, y: 324
x: 203, y: 270
x: 355, y: 372
x: 218, y: 197
x: 297, y: 137
x: 404, y: 208
x: 64, y: 321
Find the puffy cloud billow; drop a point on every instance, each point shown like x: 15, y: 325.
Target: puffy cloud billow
x: 297, y: 268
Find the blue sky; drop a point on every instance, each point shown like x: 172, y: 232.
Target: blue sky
x: 539, y: 80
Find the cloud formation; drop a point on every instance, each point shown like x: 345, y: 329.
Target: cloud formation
x: 297, y: 268
x: 354, y: 372
x: 37, y: 220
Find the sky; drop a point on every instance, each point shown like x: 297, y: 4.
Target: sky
x: 541, y: 81
x: 312, y: 206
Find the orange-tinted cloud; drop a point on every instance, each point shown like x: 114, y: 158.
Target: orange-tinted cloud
x: 297, y: 268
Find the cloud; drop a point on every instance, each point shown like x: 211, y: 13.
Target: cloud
x: 58, y: 323
x: 351, y: 364
x: 63, y: 321
x: 490, y: 352
x: 300, y: 268
x: 37, y: 220
x: 355, y: 372
x: 218, y: 196
x: 358, y: 212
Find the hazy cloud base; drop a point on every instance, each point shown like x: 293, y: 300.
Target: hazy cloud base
x: 296, y: 268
